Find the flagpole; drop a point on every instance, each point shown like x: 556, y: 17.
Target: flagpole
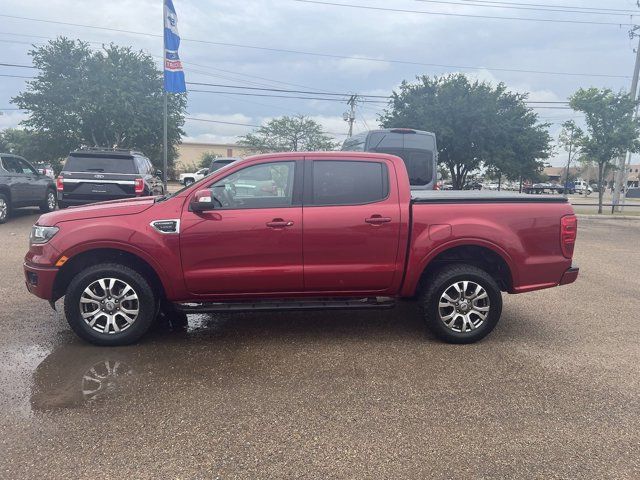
x: 165, y: 148
x: 164, y: 116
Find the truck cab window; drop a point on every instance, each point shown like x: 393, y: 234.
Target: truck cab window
x: 268, y: 185
x: 349, y: 182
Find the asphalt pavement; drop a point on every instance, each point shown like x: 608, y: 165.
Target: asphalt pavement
x: 553, y: 392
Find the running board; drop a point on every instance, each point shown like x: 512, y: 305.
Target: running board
x: 289, y: 304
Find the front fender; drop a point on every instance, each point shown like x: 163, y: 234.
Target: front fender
x: 144, y: 242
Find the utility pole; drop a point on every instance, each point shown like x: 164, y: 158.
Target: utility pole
x: 350, y: 116
x: 566, y: 174
x: 622, y: 174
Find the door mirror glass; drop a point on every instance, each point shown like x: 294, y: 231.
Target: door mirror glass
x: 202, y: 201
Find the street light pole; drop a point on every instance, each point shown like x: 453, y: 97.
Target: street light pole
x: 622, y: 174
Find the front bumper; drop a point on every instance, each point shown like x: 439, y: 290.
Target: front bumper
x: 39, y: 280
x: 570, y: 275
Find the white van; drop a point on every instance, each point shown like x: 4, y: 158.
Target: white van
x: 582, y: 187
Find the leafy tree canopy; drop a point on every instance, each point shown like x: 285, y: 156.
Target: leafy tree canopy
x: 112, y: 97
x: 611, y: 129
x: 289, y: 134
x: 475, y: 124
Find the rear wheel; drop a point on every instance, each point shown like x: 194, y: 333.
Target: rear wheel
x: 49, y: 204
x: 5, y: 208
x: 110, y: 304
x: 188, y: 181
x: 462, y: 303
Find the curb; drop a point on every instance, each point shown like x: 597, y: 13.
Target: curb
x: 607, y: 217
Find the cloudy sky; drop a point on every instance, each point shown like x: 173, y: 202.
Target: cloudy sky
x: 325, y: 47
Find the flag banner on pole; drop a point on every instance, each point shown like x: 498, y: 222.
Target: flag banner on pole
x: 173, y: 72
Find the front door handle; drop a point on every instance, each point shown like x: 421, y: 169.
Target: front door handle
x: 279, y: 223
x: 377, y: 220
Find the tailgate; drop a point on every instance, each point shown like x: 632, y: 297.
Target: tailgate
x: 108, y: 185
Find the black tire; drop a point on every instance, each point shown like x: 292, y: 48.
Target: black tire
x: 188, y: 182
x: 46, y: 206
x: 147, y: 304
x: 444, y: 279
x: 5, y: 208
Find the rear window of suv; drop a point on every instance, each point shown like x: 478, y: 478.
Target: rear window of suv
x: 91, y: 163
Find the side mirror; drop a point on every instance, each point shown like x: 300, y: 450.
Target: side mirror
x: 202, y: 201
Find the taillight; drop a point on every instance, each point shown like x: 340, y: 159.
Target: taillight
x: 139, y: 186
x: 60, y: 183
x: 568, y: 233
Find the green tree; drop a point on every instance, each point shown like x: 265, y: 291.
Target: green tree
x: 206, y: 159
x: 611, y: 130
x: 112, y: 97
x: 475, y: 124
x: 289, y: 134
x: 35, y: 147
x: 569, y: 139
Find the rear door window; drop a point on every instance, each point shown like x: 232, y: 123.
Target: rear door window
x: 25, y: 167
x: 91, y: 164
x: 349, y: 182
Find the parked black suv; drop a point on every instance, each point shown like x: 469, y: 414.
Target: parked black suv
x: 98, y: 174
x: 22, y: 186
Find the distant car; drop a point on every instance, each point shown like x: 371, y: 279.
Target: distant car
x: 218, y: 163
x: 22, y: 186
x: 187, y: 179
x: 473, y: 186
x: 46, y: 170
x: 490, y: 186
x: 633, y: 192
x: 98, y: 174
x: 582, y: 187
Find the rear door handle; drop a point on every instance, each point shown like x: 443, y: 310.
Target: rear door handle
x: 377, y: 220
x: 279, y: 223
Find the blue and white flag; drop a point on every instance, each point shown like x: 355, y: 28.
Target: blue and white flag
x: 173, y: 72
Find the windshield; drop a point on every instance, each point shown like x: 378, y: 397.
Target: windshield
x: 100, y: 164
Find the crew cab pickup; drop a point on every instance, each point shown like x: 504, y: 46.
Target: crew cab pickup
x: 328, y: 230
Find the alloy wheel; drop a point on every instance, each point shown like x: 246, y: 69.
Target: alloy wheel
x: 3, y: 209
x: 51, y: 200
x: 464, y: 306
x: 109, y: 305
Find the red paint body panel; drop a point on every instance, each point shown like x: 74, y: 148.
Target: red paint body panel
x: 328, y: 250
x: 234, y: 251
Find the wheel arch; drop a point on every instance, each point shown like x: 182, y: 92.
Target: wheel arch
x: 93, y: 256
x: 482, y: 254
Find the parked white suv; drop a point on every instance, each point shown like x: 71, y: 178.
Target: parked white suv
x: 188, y: 178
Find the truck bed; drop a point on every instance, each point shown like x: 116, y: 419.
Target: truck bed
x: 480, y: 196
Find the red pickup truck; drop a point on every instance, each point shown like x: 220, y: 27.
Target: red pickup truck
x: 329, y: 230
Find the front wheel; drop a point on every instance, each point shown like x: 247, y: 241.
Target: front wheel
x: 110, y: 304
x: 5, y: 208
x: 50, y: 202
x: 188, y: 182
x: 462, y: 303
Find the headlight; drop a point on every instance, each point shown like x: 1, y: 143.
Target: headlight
x: 40, y: 235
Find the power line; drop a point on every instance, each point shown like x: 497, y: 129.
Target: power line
x: 384, y: 99
x: 327, y: 55
x: 536, y: 8
x: 465, y: 15
x: 247, y: 94
x: 243, y: 124
x: 471, y: 2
